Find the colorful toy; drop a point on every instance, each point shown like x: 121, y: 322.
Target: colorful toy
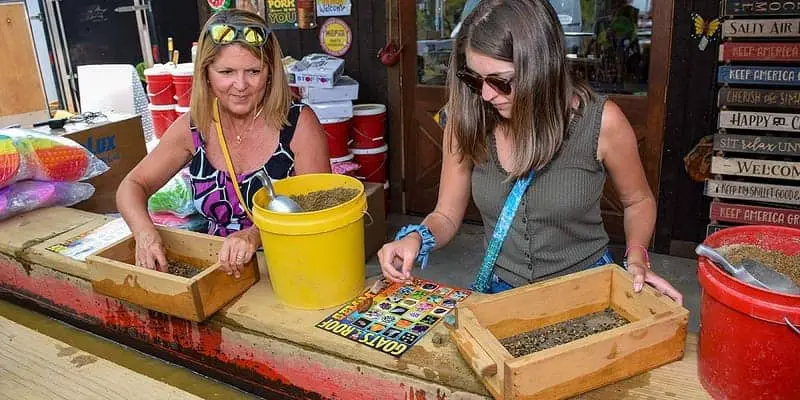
x: 26, y: 154
x: 26, y: 196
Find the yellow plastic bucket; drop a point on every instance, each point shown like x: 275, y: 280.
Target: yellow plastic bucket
x: 315, y: 259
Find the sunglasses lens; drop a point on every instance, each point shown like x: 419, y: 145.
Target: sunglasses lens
x: 472, y: 81
x: 501, y: 85
x: 223, y: 33
x: 254, y: 35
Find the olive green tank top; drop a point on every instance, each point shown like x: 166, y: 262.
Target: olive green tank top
x: 558, y: 228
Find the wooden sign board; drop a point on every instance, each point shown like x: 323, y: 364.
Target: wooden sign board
x: 761, y: 28
x: 753, y: 191
x: 757, y: 144
x: 763, y: 121
x: 758, y: 98
x: 758, y: 75
x: 754, y: 215
x: 756, y: 168
x: 741, y: 51
x: 714, y: 228
x: 754, y: 8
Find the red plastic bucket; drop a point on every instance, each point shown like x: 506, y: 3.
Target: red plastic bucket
x: 182, y: 80
x: 338, y: 132
x: 372, y: 162
x: 748, y: 346
x: 369, y: 122
x: 160, y: 89
x: 163, y: 117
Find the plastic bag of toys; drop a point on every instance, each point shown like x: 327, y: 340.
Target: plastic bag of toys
x: 26, y: 196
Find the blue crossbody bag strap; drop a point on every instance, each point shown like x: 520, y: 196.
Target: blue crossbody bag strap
x: 482, y: 279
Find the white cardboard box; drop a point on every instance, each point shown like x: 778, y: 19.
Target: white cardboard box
x: 345, y: 89
x: 316, y: 70
x: 333, y: 110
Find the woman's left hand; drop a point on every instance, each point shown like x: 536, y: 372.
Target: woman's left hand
x: 642, y: 275
x: 237, y: 250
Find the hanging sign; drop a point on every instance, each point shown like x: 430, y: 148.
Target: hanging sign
x: 306, y: 14
x: 754, y: 215
x: 714, y: 228
x: 779, y: 146
x: 761, y: 28
x: 753, y: 191
x: 758, y: 98
x: 756, y: 168
x: 759, y: 52
x: 335, y: 37
x: 282, y: 14
x: 752, y: 8
x: 333, y: 8
x: 753, y: 75
x: 762, y: 121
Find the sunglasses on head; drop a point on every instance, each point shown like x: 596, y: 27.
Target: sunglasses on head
x: 224, y: 33
x: 475, y: 81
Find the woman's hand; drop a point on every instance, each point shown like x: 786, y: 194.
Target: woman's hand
x: 642, y: 274
x: 397, y: 258
x: 150, y: 251
x: 237, y: 250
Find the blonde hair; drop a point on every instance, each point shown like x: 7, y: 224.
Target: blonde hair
x: 543, y: 88
x: 277, y: 96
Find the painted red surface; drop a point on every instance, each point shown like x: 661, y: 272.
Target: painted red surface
x: 302, y: 374
x: 745, y: 214
x: 733, y: 51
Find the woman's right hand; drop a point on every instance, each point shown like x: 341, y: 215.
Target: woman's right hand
x: 150, y: 251
x: 397, y: 258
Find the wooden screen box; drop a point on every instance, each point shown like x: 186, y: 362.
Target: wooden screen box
x: 654, y: 336
x: 113, y: 273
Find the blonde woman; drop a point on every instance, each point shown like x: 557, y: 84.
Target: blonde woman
x: 533, y: 148
x: 238, y: 68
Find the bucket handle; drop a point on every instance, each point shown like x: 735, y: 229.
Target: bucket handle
x: 789, y: 323
x: 366, y: 213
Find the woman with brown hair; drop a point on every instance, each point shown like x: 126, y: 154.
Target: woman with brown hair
x: 241, y: 106
x: 533, y: 147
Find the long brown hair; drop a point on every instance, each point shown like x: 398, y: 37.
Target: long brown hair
x: 528, y: 34
x: 277, y: 97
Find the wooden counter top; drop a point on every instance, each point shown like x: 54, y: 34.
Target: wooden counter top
x: 434, y: 359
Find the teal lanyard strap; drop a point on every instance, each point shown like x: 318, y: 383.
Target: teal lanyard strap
x: 482, y: 280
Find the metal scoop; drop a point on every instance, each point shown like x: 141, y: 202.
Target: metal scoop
x: 277, y: 203
x: 752, y: 272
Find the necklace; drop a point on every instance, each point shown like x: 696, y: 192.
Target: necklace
x: 240, y: 136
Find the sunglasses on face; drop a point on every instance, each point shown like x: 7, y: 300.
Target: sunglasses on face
x: 253, y: 35
x: 475, y: 81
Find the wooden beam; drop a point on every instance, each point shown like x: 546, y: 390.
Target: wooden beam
x: 34, y: 366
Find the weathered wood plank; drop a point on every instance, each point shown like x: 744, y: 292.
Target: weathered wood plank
x: 29, y: 229
x: 756, y: 168
x: 770, y: 145
x: 762, y: 121
x: 760, y: 28
x: 772, y: 52
x: 34, y: 366
x: 760, y: 7
x: 753, y: 215
x: 752, y: 191
x: 758, y: 98
x: 758, y: 75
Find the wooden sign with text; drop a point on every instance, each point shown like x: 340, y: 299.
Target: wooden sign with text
x: 763, y: 121
x: 753, y: 191
x: 714, y: 228
x: 756, y: 168
x: 758, y: 98
x: 754, y: 215
x: 740, y: 51
x: 754, y: 8
x: 778, y: 146
x: 759, y: 75
x: 761, y: 28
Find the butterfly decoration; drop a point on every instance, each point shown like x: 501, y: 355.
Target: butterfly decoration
x: 704, y: 30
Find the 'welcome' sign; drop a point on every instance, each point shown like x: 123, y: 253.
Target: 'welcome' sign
x: 761, y: 7
x: 756, y: 168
